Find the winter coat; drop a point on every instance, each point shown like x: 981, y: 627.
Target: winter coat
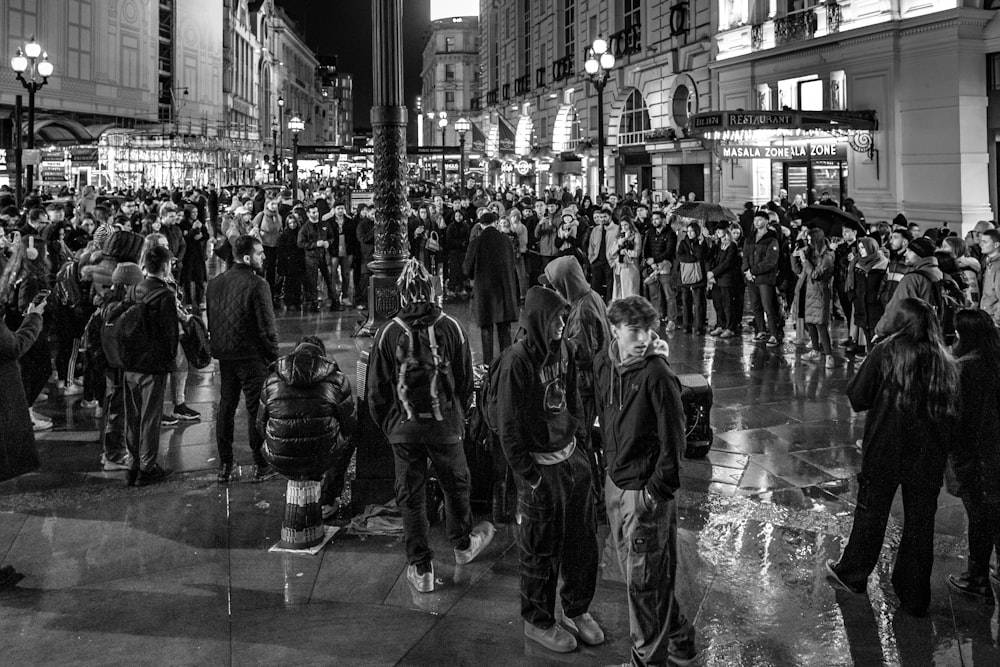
x: 914, y: 284
x: 158, y: 355
x: 17, y: 437
x: 305, y: 405
x: 975, y: 450
x: 660, y: 246
x: 760, y: 257
x: 546, y: 232
x: 818, y: 275
x: 693, y: 252
x: 175, y: 238
x: 270, y: 227
x: 525, y: 423
x: 868, y: 307
x: 456, y: 238
x: 384, y: 404
x: 725, y: 266
x: 970, y: 268
x: 610, y: 241
x: 309, y: 234
x: 490, y: 263
x: 897, y: 447
x: 241, y: 316
x: 366, y: 240
x: 642, y: 420
x: 195, y: 269
x: 989, y: 299
x: 291, y: 258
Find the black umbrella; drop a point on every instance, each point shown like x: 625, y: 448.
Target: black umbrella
x: 830, y: 219
x: 705, y: 212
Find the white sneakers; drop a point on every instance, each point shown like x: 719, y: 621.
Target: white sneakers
x: 555, y: 639
x: 480, y: 537
x: 39, y: 422
x: 424, y: 583
x: 585, y: 628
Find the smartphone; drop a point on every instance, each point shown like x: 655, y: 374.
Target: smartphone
x: 41, y: 296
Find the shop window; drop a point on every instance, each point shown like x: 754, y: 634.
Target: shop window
x: 635, y: 121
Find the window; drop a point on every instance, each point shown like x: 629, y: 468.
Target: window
x: 569, y: 27
x: 449, y: 99
x: 22, y: 21
x: 526, y: 35
x: 631, y: 13
x: 635, y: 120
x: 449, y: 72
x: 811, y: 95
x: 449, y: 44
x: 129, y: 63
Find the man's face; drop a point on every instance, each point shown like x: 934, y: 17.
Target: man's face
x: 169, y: 218
x: 850, y: 235
x: 658, y: 221
x: 553, y: 208
x: 57, y: 214
x: 340, y: 211
x: 760, y: 222
x: 556, y: 328
x: 539, y: 209
x: 128, y: 208
x: 613, y: 200
x: 439, y: 202
x: 633, y: 339
x: 988, y: 245
x: 272, y: 205
x: 256, y: 260
x: 642, y: 213
x: 914, y: 229
x: 313, y: 213
x: 43, y: 220
x: 897, y: 242
x: 782, y: 194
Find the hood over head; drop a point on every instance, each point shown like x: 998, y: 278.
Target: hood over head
x: 565, y: 275
x: 305, y: 366
x: 541, y: 307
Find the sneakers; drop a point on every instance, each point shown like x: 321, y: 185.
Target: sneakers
x: 836, y: 581
x: 726, y: 333
x: 773, y: 342
x: 90, y: 405
x: 584, y: 628
x: 167, y: 419
x: 760, y: 337
x: 225, y: 473
x: 110, y: 465
x: 263, y: 473
x: 70, y: 389
x: 978, y: 587
x: 480, y: 537
x: 715, y: 332
x: 424, y: 583
x: 39, y: 422
x: 555, y: 639
x: 152, y: 476
x: 184, y: 413
x: 812, y: 355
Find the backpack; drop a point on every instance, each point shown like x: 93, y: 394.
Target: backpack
x: 425, y: 385
x: 948, y: 300
x: 127, y: 330
x: 194, y: 342
x: 68, y: 291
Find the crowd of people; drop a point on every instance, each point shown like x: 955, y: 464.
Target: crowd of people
x: 595, y: 286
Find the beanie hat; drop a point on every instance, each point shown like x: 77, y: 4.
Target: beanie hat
x: 922, y: 247
x: 900, y: 220
x: 488, y: 218
x: 126, y: 273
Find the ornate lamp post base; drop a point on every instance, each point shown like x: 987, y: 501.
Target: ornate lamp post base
x: 302, y: 526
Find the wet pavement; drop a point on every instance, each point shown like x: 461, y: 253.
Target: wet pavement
x: 179, y: 573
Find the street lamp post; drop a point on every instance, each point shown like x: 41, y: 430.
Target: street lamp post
x: 274, y: 144
x: 281, y: 135
x: 598, y: 67
x: 20, y: 63
x: 443, y: 124
x: 462, y: 125
x: 295, y: 125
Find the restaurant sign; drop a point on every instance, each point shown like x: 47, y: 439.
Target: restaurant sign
x: 788, y: 152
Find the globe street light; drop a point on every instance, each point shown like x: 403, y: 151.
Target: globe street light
x: 598, y: 66
x: 281, y: 136
x: 443, y: 124
x: 21, y: 63
x: 462, y: 125
x: 295, y: 125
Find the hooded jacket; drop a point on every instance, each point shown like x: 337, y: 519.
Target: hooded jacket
x: 269, y: 223
x: 383, y: 373
x: 642, y: 419
x: 587, y: 331
x: 760, y: 257
x: 918, y: 284
x: 989, y: 299
x: 528, y: 371
x: 305, y: 404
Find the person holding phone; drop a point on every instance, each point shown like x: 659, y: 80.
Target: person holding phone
x: 17, y: 438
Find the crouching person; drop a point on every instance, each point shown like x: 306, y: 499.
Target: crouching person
x: 544, y: 438
x: 307, y: 417
x: 642, y: 424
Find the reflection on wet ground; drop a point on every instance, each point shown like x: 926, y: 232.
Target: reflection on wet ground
x: 179, y: 573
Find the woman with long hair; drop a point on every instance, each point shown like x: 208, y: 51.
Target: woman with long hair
x: 909, y: 386
x: 975, y: 452
x: 867, y: 271
x: 692, y: 251
x: 816, y: 263
x: 520, y: 232
x: 625, y: 257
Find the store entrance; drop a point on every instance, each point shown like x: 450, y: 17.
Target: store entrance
x: 687, y: 178
x: 811, y: 179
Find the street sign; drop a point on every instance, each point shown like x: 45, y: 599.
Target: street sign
x: 31, y: 157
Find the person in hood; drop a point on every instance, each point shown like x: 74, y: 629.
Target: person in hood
x: 642, y: 423
x: 967, y: 268
x: 869, y: 274
x: 417, y: 437
x: 541, y: 429
x: 920, y: 282
x: 307, y: 417
x: 268, y: 221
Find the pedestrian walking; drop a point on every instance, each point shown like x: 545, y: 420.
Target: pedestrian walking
x: 490, y: 264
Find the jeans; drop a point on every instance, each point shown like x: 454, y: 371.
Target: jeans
x: 984, y: 534
x: 36, y: 366
x: 601, y: 279
x: 503, y: 337
x: 645, y: 540
x: 411, y: 494
x: 310, y: 283
x: 556, y: 534
x: 143, y: 410
x: 911, y: 575
x: 722, y: 300
x: 179, y: 377
x: 246, y: 375
x: 113, y: 421
x: 270, y: 267
x: 693, y: 298
x: 333, y: 480
x: 764, y: 299
x: 819, y: 334
x: 663, y: 295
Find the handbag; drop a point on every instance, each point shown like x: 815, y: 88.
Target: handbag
x: 194, y: 342
x: 433, y: 243
x: 691, y: 273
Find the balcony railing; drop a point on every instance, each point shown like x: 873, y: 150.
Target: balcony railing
x: 756, y: 37
x: 522, y: 85
x: 492, y: 97
x: 539, y: 77
x: 833, y: 17
x: 795, y: 27
x: 506, y: 91
x: 562, y: 68
x: 476, y: 103
x: 626, y: 42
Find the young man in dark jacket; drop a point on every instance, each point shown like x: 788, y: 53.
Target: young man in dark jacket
x: 642, y: 421
x: 541, y: 427
x: 760, y: 267
x: 244, y: 340
x: 659, y: 248
x: 416, y: 437
x: 919, y: 282
x: 146, y: 375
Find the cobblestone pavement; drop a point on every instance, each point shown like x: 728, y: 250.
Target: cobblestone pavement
x: 179, y: 573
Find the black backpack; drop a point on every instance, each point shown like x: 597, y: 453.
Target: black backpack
x: 425, y: 384
x: 127, y: 330
x: 69, y: 290
x: 948, y: 300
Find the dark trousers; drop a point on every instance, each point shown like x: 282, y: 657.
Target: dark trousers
x: 503, y: 337
x: 94, y: 385
x: 66, y: 352
x: 411, y: 494
x: 693, y: 306
x: 36, y: 367
x: 556, y: 534
x: 246, y: 375
x: 764, y: 300
x: 601, y: 279
x: 739, y: 305
x: 361, y: 293
x: 333, y: 480
x: 331, y: 287
x: 645, y: 540
x: 143, y: 410
x: 984, y: 535
x: 113, y: 421
x: 195, y: 292
x: 310, y: 283
x: 291, y: 290
x: 911, y: 575
x: 722, y: 300
x: 819, y: 335
x: 846, y: 304
x: 271, y: 268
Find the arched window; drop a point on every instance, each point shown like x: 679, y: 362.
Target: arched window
x: 566, y: 129
x: 524, y: 135
x: 635, y: 121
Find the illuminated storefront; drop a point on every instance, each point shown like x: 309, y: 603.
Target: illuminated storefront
x: 131, y: 159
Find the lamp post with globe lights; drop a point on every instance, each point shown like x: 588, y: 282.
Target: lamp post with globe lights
x: 295, y: 125
x: 443, y: 124
x: 36, y: 62
x: 462, y: 125
x: 281, y: 138
x: 599, y: 63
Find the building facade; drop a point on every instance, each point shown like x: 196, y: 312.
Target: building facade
x: 337, y: 95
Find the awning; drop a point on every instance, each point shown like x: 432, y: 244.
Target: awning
x: 478, y: 140
x: 507, y: 135
x: 726, y: 124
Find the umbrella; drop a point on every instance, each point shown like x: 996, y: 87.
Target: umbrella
x: 705, y: 211
x: 830, y: 219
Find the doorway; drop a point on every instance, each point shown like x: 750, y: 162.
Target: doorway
x: 687, y: 178
x: 811, y: 179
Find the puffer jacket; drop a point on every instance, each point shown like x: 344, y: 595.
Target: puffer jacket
x: 309, y: 234
x: 919, y: 283
x: 760, y: 257
x: 305, y: 405
x: 241, y: 316
x: 817, y: 273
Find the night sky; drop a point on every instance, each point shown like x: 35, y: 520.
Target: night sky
x: 344, y: 28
